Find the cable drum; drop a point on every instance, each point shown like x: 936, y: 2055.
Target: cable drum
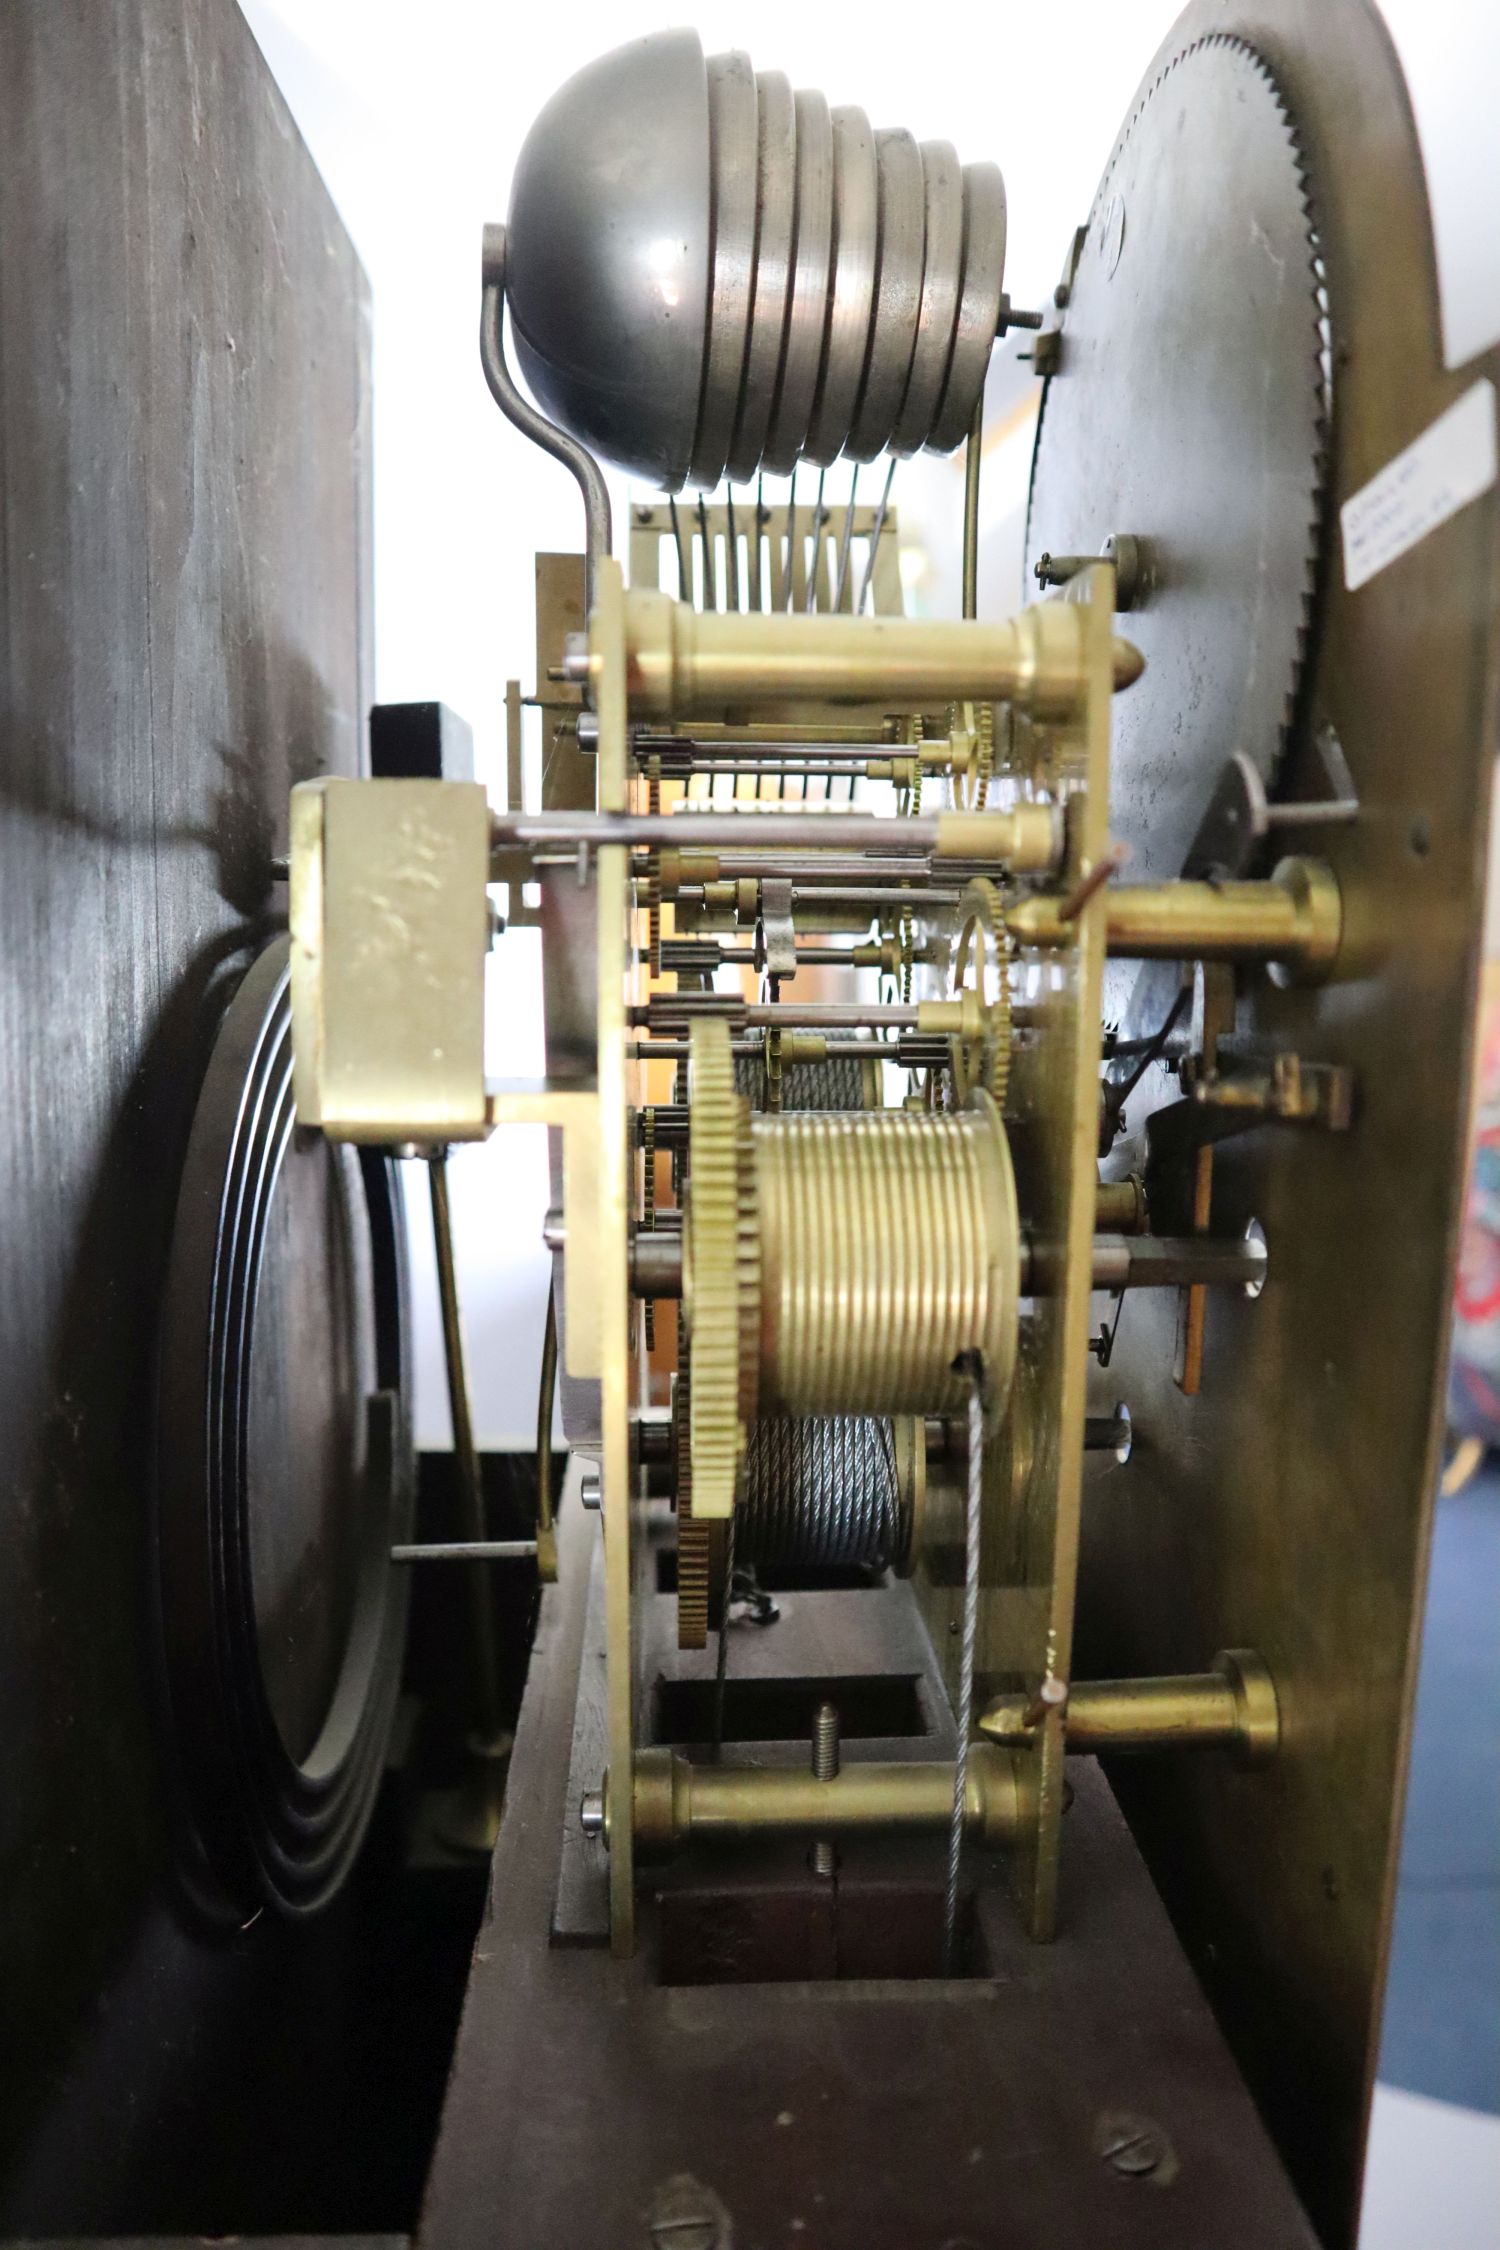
x: 890, y: 1243
x: 837, y: 1082
x: 838, y: 1492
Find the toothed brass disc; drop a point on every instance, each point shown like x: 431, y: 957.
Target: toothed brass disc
x: 971, y: 729
x: 721, y: 1271
x: 1189, y: 411
x: 981, y: 964
x: 694, y: 1540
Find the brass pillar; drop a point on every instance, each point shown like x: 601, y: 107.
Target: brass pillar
x: 1232, y: 1706
x: 677, y: 1802
x: 1293, y: 921
x: 687, y: 663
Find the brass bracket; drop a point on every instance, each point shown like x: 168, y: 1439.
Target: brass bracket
x: 390, y: 932
x: 1291, y: 1092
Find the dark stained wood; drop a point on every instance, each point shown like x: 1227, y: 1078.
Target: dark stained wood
x: 838, y: 1638
x: 580, y: 1913
x: 857, y: 2115
x: 184, y: 632
x: 195, y: 2242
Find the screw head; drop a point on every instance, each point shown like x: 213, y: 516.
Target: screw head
x: 1135, y: 2147
x: 686, y: 2215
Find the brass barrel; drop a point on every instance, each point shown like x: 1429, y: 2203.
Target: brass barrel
x: 890, y: 1243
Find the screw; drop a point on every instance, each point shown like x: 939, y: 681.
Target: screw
x: 686, y: 2215
x: 1133, y: 2146
x: 1011, y: 316
x: 591, y: 1813
x: 590, y: 1489
x: 825, y: 1765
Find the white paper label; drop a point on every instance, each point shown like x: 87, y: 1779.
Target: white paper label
x: 1449, y: 465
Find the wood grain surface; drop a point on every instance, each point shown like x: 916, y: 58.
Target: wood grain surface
x: 184, y: 633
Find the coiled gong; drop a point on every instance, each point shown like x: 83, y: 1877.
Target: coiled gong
x: 284, y: 1473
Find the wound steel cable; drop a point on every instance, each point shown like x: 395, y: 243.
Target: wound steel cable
x: 970, y: 1366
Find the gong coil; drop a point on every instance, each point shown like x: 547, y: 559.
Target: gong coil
x: 270, y: 1814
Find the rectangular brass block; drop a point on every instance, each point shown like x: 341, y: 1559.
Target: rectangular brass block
x: 390, y: 932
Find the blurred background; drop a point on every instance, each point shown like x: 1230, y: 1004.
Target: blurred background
x: 414, y: 118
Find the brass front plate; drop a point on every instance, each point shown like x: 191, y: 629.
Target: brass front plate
x: 1033, y: 1469
x: 620, y: 978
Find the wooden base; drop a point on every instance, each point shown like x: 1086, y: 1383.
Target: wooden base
x: 1007, y: 2106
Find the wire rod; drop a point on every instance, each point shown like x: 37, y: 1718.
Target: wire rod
x: 465, y: 1455
x: 517, y: 408
x: 465, y: 1550
x: 846, y: 542
x: 876, y: 534
x: 810, y: 601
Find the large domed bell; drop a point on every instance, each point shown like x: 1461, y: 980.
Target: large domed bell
x: 709, y: 273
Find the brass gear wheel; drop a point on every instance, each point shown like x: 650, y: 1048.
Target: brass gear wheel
x: 721, y: 1272
x: 982, y: 953
x: 698, y: 1543
x: 1213, y: 457
x: 971, y: 729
